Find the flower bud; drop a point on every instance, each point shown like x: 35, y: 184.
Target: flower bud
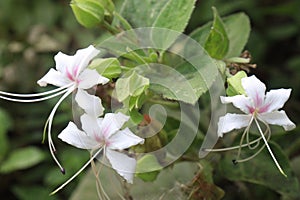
x: 88, y: 13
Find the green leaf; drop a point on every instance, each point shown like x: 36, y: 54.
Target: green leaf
x: 217, y: 42
x: 26, y: 192
x: 107, y: 67
x: 162, y: 16
x: 262, y: 170
x: 235, y: 85
x: 180, y: 10
x: 183, y: 84
x: 167, y: 185
x: 132, y: 85
x: 171, y: 14
x: 238, y: 31
x: 201, y: 34
x: 21, y: 159
x: 141, y: 15
x: 237, y: 27
x: 148, y: 168
x: 4, y: 126
x: 135, y: 116
x: 88, y: 13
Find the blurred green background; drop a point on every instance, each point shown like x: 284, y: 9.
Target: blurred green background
x: 32, y: 32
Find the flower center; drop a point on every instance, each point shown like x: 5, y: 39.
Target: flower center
x: 255, y: 112
x: 72, y: 75
x: 101, y: 140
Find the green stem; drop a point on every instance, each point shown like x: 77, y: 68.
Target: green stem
x: 127, y: 26
x: 113, y: 30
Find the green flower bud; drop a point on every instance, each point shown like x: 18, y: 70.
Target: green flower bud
x: 88, y: 13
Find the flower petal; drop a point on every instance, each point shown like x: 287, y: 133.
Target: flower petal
x: 275, y: 99
x: 111, y: 123
x: 53, y: 77
x: 123, y: 164
x: 232, y: 121
x: 242, y: 102
x: 124, y: 139
x: 83, y: 56
x: 278, y: 118
x: 89, y: 103
x: 77, y: 63
x: 89, y: 78
x: 90, y: 126
x: 63, y: 62
x: 73, y: 136
x: 255, y: 89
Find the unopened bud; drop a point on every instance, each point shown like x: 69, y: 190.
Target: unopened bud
x: 88, y: 13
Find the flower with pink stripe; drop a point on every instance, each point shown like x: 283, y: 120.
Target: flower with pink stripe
x: 258, y: 107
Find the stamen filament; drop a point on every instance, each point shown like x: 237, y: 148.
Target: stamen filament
x: 50, y: 120
x: 34, y: 100
x: 241, y: 141
x: 267, y: 132
x: 78, y: 172
x: 36, y: 94
x: 246, y: 132
x: 100, y: 190
x: 269, y: 149
x: 250, y: 157
x: 232, y: 148
x: 256, y: 145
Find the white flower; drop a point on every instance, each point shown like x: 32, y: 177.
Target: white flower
x: 98, y: 133
x: 71, y: 75
x: 72, y: 70
x: 256, y: 104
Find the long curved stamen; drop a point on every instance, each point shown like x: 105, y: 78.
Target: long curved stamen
x: 246, y: 132
x: 256, y: 145
x: 58, y: 91
x: 100, y: 190
x: 49, y: 121
x: 269, y: 149
x: 261, y: 148
x: 233, y: 148
x: 34, y: 100
x: 36, y: 94
x: 78, y: 172
x: 236, y: 147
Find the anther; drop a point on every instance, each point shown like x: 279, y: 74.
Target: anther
x: 234, y: 161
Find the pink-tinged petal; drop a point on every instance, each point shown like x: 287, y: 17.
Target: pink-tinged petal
x: 230, y: 122
x: 53, y: 77
x: 278, y: 118
x: 112, y: 123
x: 242, y: 102
x: 73, y: 136
x: 89, y: 103
x: 63, y: 62
x: 90, y: 126
x: 255, y: 89
x: 89, y: 78
x: 275, y: 99
x: 123, y: 164
x: 83, y: 57
x: 123, y: 140
x: 72, y: 66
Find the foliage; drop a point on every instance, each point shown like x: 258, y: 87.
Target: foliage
x: 140, y: 79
